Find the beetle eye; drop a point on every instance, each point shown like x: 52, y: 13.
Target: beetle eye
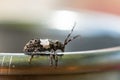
x: 41, y: 45
x: 27, y: 46
x: 57, y: 42
x: 30, y: 41
x: 35, y: 40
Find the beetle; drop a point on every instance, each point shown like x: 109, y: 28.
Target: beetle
x: 42, y: 45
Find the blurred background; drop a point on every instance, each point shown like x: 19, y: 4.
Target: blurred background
x: 97, y: 22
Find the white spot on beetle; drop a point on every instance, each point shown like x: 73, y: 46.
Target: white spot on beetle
x: 45, y: 43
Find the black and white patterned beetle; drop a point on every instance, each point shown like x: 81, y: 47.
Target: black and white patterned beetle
x: 42, y: 45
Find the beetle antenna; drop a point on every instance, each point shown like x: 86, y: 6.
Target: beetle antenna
x: 72, y: 39
x: 66, y: 40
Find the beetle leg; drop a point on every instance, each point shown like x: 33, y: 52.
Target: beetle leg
x: 32, y: 55
x: 30, y: 59
x: 56, y: 59
x: 51, y: 59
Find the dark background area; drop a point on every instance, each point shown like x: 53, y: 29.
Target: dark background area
x: 22, y: 20
x: 14, y: 36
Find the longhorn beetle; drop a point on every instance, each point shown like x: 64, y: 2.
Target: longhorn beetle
x: 42, y: 45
